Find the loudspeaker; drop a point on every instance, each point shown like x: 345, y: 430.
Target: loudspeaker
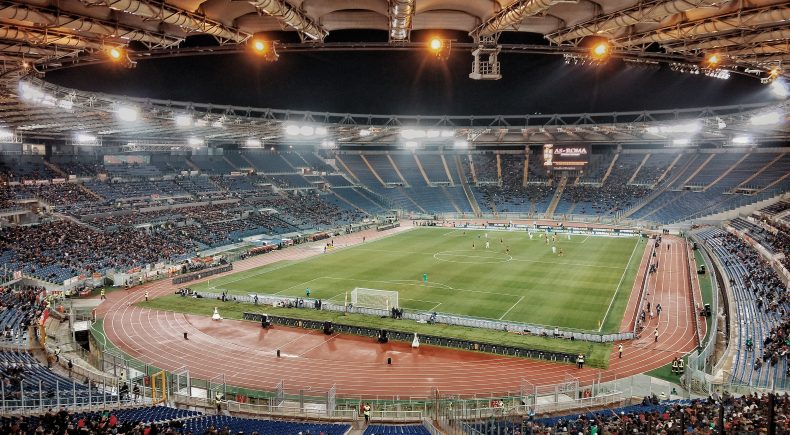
x: 328, y: 328
x: 383, y: 336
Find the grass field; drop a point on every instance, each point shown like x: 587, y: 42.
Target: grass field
x: 590, y: 283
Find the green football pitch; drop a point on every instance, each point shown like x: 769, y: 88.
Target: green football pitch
x: 516, y: 278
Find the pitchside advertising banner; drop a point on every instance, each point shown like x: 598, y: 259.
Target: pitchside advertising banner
x: 565, y: 157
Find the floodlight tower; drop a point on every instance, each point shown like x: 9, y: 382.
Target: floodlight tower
x: 485, y: 65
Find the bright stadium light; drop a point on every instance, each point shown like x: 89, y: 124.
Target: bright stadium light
x: 320, y: 131
x: 742, y: 140
x: 6, y: 134
x: 713, y: 60
x: 195, y: 141
x: 413, y: 133
x: 292, y: 130
x: 217, y: 123
x: 364, y: 132
x: 127, y: 113
x: 448, y: 133
x: 66, y: 104
x: 433, y: 134
x: 436, y: 44
x: 85, y: 138
x: 411, y: 144
x: 259, y: 45
x: 779, y: 89
x: 253, y: 143
x: 116, y: 53
x: 688, y: 127
x: 600, y: 50
x: 766, y: 119
x: 183, y: 120
x: 461, y: 144
x: 681, y: 142
x: 306, y: 130
x: 440, y: 48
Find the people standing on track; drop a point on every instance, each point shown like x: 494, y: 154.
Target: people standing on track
x: 655, y: 333
x: 366, y: 413
x: 658, y: 310
x: 620, y: 350
x: 580, y: 361
x: 102, y: 295
x: 146, y: 295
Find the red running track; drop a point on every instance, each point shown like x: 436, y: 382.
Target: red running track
x: 245, y: 353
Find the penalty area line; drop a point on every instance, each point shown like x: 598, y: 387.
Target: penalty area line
x: 511, y: 308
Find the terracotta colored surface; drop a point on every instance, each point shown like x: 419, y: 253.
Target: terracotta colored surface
x: 356, y: 365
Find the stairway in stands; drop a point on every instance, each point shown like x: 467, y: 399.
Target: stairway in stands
x: 557, y: 196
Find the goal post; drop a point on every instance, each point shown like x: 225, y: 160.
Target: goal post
x: 374, y: 298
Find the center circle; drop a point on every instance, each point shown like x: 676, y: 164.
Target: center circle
x: 471, y: 257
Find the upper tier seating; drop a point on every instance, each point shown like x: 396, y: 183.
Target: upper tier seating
x: 269, y: 162
x: 263, y: 427
x: 215, y: 165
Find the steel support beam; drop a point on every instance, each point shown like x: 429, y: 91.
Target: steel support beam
x: 49, y: 19
x: 709, y: 27
x: 647, y: 11
x: 738, y: 39
x: 292, y: 17
x: 401, y: 14
x: 512, y: 15
x: 189, y: 21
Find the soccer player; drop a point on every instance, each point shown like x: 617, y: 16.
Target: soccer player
x: 425, y: 278
x: 561, y: 253
x: 307, y: 292
x: 553, y: 249
x: 487, y: 245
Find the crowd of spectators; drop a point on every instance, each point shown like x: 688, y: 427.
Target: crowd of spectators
x: 614, y: 195
x: 512, y: 195
x: 81, y: 249
x: 742, y: 415
x: 64, y: 422
x: 19, y: 307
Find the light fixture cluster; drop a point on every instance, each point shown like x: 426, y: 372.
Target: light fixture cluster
x: 86, y: 139
x: 767, y: 119
x: 264, y: 48
x: 35, y: 95
x: 127, y: 113
x: 417, y: 133
x: 6, y: 135
x: 684, y: 68
x: 307, y: 130
x: 717, y: 73
x: 682, y: 128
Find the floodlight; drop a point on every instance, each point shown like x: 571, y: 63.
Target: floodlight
x: 436, y: 44
x: 411, y: 144
x: 681, y: 142
x: 183, y: 120
x: 440, y: 48
x: 741, y: 140
x: 6, y: 134
x: 253, y: 143
x: 448, y: 133
x: 202, y: 122
x: 66, y: 104
x: 320, y: 131
x: 259, y: 45
x: 292, y: 130
x: 600, y: 50
x: 413, y: 133
x: 433, y: 133
x: 127, y: 113
x: 306, y: 130
x: 461, y: 143
x: 364, y: 132
x: 265, y: 48
x: 116, y: 53
x: 778, y: 89
x: 217, y: 123
x: 84, y: 138
x: 327, y: 143
x: 195, y: 141
x: 713, y: 59
x: 765, y: 119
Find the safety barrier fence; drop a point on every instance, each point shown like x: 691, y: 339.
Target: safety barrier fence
x: 694, y: 288
x: 424, y: 316
x: 643, y: 288
x: 202, y: 274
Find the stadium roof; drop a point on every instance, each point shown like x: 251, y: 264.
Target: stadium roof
x: 748, y: 34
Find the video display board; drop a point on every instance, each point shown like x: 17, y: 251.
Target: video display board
x: 566, y: 157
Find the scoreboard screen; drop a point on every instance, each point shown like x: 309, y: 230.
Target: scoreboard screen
x: 566, y: 157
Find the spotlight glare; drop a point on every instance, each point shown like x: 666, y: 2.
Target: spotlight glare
x: 116, y: 53
x: 85, y: 138
x: 307, y: 130
x: 411, y: 144
x: 681, y: 142
x: 779, y: 89
x: 600, y: 50
x: 741, y: 140
x: 292, y: 130
x: 183, y: 120
x: 6, y: 135
x: 127, y: 113
x: 433, y: 133
x: 461, y: 143
x: 766, y: 119
x: 714, y: 59
x: 195, y: 141
x: 253, y: 143
x: 65, y: 104
x: 448, y: 133
x: 259, y: 45
x: 436, y: 44
x: 364, y: 132
x: 320, y: 131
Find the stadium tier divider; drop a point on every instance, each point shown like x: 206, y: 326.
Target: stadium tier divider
x: 442, y: 318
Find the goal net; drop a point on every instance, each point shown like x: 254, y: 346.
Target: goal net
x: 372, y: 298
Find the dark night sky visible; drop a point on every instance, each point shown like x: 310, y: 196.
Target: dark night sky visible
x: 410, y: 83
